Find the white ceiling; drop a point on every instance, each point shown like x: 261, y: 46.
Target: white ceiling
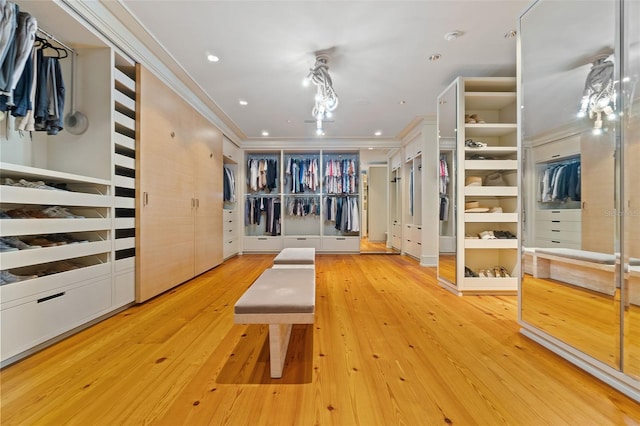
x: 380, y: 57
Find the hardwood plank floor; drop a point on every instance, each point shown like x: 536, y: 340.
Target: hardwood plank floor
x: 388, y: 347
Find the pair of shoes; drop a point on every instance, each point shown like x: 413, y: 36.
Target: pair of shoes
x: 481, y: 157
x: 470, y: 143
x: 487, y: 235
x: 60, y: 212
x: 469, y: 273
x: 41, y: 241
x: 64, y: 239
x: 486, y: 273
x: 4, y: 215
x: 473, y: 119
x: 504, y: 235
x: 7, y: 277
x: 27, y: 184
x: 18, y: 243
x: 471, y: 237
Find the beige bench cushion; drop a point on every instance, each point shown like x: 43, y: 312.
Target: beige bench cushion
x: 587, y: 256
x: 296, y: 256
x: 280, y: 291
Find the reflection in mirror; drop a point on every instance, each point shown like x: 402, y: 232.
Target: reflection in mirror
x: 631, y: 206
x: 569, y: 175
x: 375, y: 197
x: 447, y: 119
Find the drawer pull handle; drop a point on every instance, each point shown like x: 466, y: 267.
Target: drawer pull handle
x: 555, y: 221
x: 555, y: 230
x: 555, y: 211
x: 262, y: 239
x: 555, y: 156
x: 341, y: 239
x: 53, y: 296
x: 557, y: 242
x: 301, y: 239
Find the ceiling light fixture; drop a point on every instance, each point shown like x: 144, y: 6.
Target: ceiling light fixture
x: 435, y: 57
x: 265, y: 133
x: 453, y: 35
x: 378, y: 132
x: 599, y: 95
x: 326, y: 98
x: 212, y: 58
x: 243, y: 102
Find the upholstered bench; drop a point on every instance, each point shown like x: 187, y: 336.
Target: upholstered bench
x: 295, y: 258
x: 280, y: 298
x: 587, y: 269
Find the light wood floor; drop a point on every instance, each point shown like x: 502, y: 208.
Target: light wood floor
x: 388, y: 347
x: 368, y: 246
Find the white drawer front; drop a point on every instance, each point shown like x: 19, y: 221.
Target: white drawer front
x: 262, y: 244
x: 558, y: 235
x: 341, y: 244
x: 303, y: 242
x: 561, y: 225
x: 572, y: 215
x: 50, y: 314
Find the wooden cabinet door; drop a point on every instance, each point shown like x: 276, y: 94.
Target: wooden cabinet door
x: 598, y: 191
x: 164, y: 174
x: 206, y: 149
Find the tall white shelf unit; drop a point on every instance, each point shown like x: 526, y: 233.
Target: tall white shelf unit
x: 95, y: 277
x: 493, y: 100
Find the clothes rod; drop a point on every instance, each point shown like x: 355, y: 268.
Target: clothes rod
x: 51, y: 37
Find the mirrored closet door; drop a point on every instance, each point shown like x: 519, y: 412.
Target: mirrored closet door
x: 580, y: 140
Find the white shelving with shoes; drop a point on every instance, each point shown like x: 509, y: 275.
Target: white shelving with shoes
x: 487, y: 192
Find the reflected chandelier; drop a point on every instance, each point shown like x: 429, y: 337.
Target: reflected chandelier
x: 599, y: 96
x: 326, y: 98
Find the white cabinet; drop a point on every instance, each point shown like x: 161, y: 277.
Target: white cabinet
x: 486, y: 169
x: 230, y: 233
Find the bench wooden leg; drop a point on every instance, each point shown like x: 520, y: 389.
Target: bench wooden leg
x: 279, y: 335
x: 541, y: 267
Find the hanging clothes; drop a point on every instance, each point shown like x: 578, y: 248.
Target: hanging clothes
x: 269, y: 207
x: 50, y: 95
x: 444, y: 207
x: 444, y: 175
x: 344, y: 211
x: 262, y: 174
x: 301, y: 175
x: 302, y: 206
x: 560, y: 182
x: 341, y: 176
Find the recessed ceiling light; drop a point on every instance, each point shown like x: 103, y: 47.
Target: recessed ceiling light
x: 402, y: 102
x: 370, y: 149
x: 435, y: 57
x: 265, y: 133
x: 378, y: 132
x: 453, y: 35
x: 212, y: 58
x: 243, y: 102
x: 511, y: 34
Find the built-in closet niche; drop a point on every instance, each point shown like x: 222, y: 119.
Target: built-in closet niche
x: 301, y: 209
x: 232, y: 207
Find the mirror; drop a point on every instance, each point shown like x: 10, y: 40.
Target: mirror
x: 631, y: 176
x: 447, y: 119
x: 569, y: 189
x: 374, y: 188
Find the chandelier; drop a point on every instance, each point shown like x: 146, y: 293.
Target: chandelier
x: 326, y: 98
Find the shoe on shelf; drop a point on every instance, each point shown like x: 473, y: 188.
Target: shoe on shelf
x: 468, y: 119
x: 470, y: 143
x: 503, y: 272
x: 60, y: 212
x: 487, y: 235
x: 39, y: 240
x: 4, y: 215
x: 476, y: 119
x: 469, y: 273
x: 490, y: 273
x: 482, y: 273
x: 18, y: 243
x: 471, y: 236
x: 496, y: 209
x: 35, y: 185
x: 7, y: 277
x: 4, y: 247
x: 509, y: 235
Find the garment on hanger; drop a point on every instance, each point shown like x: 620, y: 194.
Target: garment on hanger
x: 341, y: 176
x: 302, y: 206
x: 269, y: 207
x: 301, y: 175
x: 444, y: 175
x: 444, y: 207
x: 344, y: 212
x: 229, y: 185
x: 262, y: 174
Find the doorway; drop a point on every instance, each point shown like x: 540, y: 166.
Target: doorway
x: 375, y: 203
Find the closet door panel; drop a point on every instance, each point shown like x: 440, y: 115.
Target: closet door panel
x: 206, y: 149
x: 165, y: 220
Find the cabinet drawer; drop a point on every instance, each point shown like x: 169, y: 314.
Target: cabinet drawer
x: 228, y: 215
x: 262, y: 244
x: 541, y: 242
x: 573, y: 215
x: 558, y: 225
x: 303, y: 242
x: 229, y: 230
x: 50, y: 314
x: 342, y: 244
x: 231, y: 150
x: 559, y: 235
x: 416, y: 234
x: 229, y: 247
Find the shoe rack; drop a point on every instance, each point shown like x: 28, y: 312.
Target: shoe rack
x: 487, y: 192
